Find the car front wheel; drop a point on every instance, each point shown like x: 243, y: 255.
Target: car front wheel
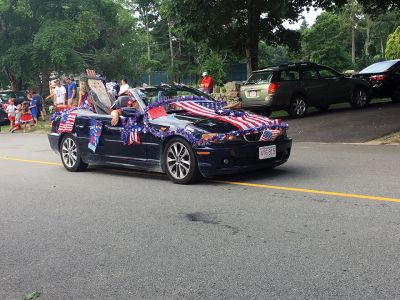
x: 298, y: 106
x: 359, y: 98
x: 71, y: 154
x: 180, y: 163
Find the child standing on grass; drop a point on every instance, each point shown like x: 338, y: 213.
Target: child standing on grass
x: 17, y: 123
x: 10, y: 110
x: 26, y: 116
x: 34, y: 101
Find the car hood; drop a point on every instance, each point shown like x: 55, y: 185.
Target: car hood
x: 184, y: 119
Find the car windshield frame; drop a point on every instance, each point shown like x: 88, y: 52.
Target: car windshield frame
x: 140, y: 93
x: 383, y: 67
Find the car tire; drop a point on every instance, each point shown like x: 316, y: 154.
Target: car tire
x: 180, y: 163
x: 396, y: 95
x: 359, y: 98
x: 298, y: 106
x: 71, y: 154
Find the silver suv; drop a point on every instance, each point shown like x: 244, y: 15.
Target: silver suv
x: 295, y: 87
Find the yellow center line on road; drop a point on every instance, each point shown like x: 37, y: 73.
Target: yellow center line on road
x: 32, y: 161
x: 247, y: 184
x: 308, y: 191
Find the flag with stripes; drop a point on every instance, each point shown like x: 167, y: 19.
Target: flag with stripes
x: 67, y: 122
x: 243, y: 122
x: 91, y: 73
x: 269, y: 135
x: 134, y: 137
x: 94, y: 134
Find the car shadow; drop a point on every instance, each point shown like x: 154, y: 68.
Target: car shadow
x: 343, y: 108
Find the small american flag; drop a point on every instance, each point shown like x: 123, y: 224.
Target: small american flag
x: 67, y: 123
x: 134, y: 138
x: 91, y: 73
x: 269, y: 135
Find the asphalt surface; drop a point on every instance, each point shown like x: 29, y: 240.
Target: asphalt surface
x: 346, y: 125
x: 118, y: 234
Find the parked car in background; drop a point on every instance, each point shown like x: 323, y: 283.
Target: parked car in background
x: 18, y: 96
x: 296, y: 86
x: 384, y: 78
x: 3, y: 116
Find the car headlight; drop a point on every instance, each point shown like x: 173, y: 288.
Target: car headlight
x: 216, y: 138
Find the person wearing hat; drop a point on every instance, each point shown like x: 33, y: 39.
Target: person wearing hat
x: 207, y: 83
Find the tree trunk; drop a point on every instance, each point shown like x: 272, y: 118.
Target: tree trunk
x: 253, y: 36
x: 148, y: 46
x: 367, y: 35
x: 12, y: 79
x: 171, y: 51
x: 353, y: 45
x: 382, y: 48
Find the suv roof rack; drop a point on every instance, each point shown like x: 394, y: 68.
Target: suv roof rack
x: 300, y: 63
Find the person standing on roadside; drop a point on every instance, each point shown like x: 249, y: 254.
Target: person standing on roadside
x: 71, y: 91
x: 124, y: 87
x: 11, y: 111
x: 35, y: 104
x: 207, y: 83
x: 59, y: 95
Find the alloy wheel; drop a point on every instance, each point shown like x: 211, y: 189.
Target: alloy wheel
x: 178, y: 160
x: 69, y: 152
x: 361, y: 98
x: 299, y: 106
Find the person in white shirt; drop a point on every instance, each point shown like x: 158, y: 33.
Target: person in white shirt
x: 124, y: 87
x: 59, y: 95
x: 10, y: 110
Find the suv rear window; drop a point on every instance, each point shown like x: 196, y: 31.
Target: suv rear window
x: 378, y: 67
x: 260, y: 77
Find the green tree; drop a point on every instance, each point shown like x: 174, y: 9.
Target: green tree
x: 326, y: 42
x: 393, y: 45
x: 237, y: 24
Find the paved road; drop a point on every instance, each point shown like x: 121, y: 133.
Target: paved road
x: 347, y: 125
x: 116, y: 234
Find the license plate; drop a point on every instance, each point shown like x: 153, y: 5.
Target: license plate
x: 252, y: 93
x: 267, y: 152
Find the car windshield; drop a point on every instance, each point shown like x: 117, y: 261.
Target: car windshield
x: 152, y: 94
x: 379, y: 67
x: 260, y: 77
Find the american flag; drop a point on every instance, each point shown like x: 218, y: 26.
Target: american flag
x: 67, y: 123
x: 134, y: 138
x: 94, y: 134
x: 91, y: 73
x: 247, y: 121
x: 210, y: 104
x: 269, y: 135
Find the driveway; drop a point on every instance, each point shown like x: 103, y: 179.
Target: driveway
x: 346, y: 125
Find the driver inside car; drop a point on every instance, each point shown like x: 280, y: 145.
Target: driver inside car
x: 119, y: 104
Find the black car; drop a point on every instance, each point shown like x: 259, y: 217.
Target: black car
x: 384, y: 78
x: 3, y: 116
x: 168, y: 143
x: 294, y: 87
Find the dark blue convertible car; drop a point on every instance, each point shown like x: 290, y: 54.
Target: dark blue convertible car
x: 179, y: 141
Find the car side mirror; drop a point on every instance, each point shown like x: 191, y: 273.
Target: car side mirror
x: 130, y: 112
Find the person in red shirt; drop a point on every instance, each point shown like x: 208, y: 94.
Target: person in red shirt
x: 207, y: 83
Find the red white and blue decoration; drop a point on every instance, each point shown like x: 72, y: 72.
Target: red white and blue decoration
x: 246, y: 123
x: 67, y: 122
x: 94, y: 134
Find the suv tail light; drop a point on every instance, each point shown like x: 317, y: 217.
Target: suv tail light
x: 378, y: 77
x: 273, y: 87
